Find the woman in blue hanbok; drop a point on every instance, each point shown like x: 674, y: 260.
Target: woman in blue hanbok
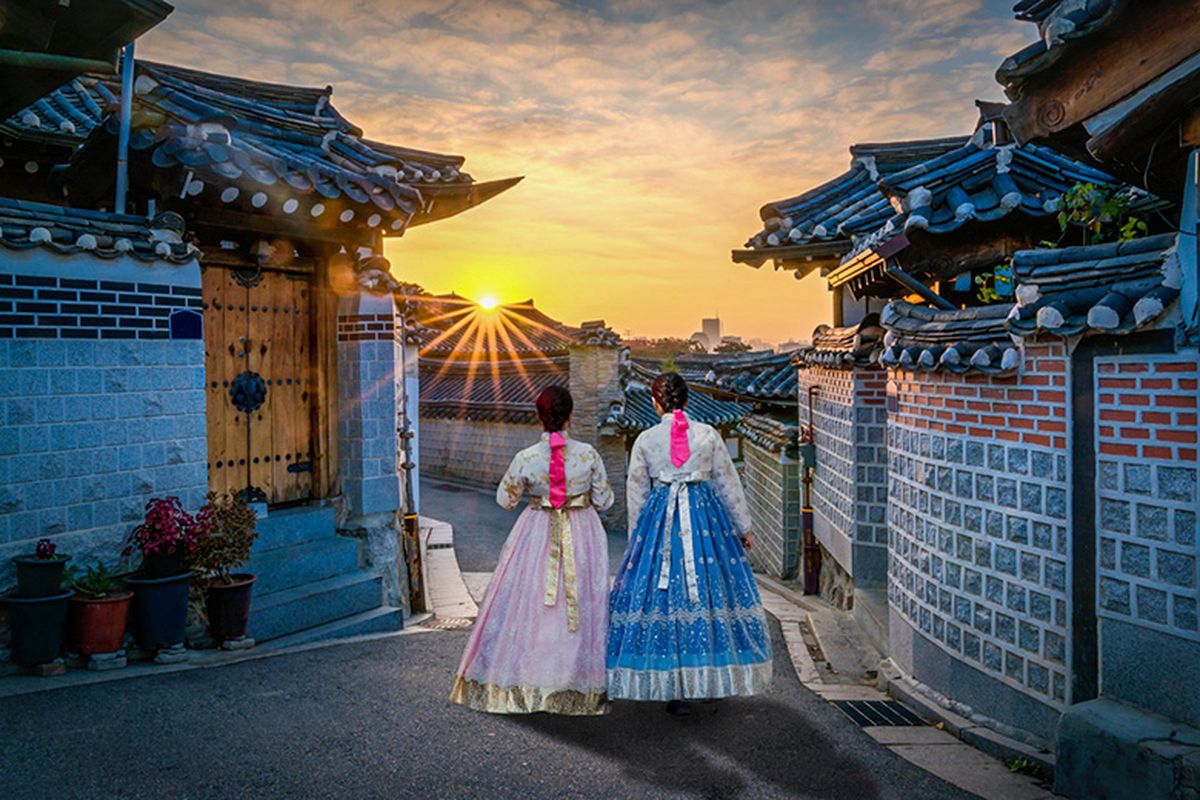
x: 685, y: 621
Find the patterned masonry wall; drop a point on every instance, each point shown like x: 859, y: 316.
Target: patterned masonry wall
x: 772, y: 484
x: 979, y: 530
x: 368, y: 357
x: 474, y: 451
x: 849, y: 490
x: 595, y: 384
x: 100, y: 409
x: 1146, y: 493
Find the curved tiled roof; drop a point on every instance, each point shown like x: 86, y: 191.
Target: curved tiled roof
x: 850, y: 204
x: 25, y: 225
x: 759, y: 376
x: 498, y: 391
x: 980, y: 183
x: 922, y: 338
x: 254, y: 146
x: 635, y: 412
x: 1104, y: 288
x: 772, y: 434
x: 1060, y: 24
x: 459, y: 328
x: 848, y: 347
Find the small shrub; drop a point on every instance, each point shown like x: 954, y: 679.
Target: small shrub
x: 95, y: 582
x: 228, y: 539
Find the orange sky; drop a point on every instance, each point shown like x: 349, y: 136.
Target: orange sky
x: 649, y: 131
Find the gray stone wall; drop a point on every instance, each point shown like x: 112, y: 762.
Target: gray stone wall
x: 474, y: 451
x: 978, y: 512
x: 91, y: 428
x: 1146, y: 496
x: 772, y: 484
x: 595, y: 384
x: 849, y: 491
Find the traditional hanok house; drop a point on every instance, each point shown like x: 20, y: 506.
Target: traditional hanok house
x: 1120, y: 83
x: 294, y: 398
x: 976, y: 445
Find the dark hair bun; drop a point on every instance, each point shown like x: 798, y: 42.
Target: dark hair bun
x: 554, y: 406
x: 670, y: 390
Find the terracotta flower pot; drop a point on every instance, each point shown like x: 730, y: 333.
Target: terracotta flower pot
x: 97, y: 624
x: 37, y: 627
x: 228, y: 606
x: 39, y: 577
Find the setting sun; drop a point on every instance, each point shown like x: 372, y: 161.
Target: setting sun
x: 488, y: 302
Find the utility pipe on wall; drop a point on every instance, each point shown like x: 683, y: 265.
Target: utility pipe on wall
x: 126, y: 113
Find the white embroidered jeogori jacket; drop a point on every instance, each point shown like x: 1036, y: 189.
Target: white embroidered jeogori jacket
x: 650, y: 461
x: 529, y: 473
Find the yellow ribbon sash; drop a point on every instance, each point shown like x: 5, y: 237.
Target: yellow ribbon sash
x: 562, y: 554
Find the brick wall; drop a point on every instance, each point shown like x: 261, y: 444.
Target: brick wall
x: 96, y: 415
x: 772, y: 484
x: 849, y: 490
x: 474, y: 451
x: 978, y: 510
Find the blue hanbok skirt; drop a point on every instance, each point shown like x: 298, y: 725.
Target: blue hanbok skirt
x: 662, y: 643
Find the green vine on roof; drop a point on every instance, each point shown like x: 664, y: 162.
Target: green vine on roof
x: 1102, y: 212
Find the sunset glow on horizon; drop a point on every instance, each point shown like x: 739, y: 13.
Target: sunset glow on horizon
x: 649, y: 133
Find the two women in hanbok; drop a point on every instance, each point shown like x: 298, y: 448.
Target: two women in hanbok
x: 683, y: 620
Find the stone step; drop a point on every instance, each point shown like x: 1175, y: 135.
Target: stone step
x: 303, y: 607
x: 303, y: 563
x: 380, y: 620
x: 290, y: 526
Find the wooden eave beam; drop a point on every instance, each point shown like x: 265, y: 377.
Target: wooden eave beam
x: 1119, y: 130
x: 799, y: 255
x: 1101, y: 69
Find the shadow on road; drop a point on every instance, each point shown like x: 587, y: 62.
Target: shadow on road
x: 718, y: 751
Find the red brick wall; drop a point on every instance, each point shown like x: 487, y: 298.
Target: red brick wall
x: 1030, y: 408
x: 1147, y: 409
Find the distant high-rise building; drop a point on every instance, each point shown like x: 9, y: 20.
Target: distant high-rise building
x: 711, y: 328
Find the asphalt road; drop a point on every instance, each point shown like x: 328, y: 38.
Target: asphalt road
x: 371, y: 720
x: 481, y: 526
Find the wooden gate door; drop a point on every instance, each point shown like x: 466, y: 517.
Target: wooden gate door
x: 259, y: 359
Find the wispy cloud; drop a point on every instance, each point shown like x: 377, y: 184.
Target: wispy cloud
x: 650, y: 132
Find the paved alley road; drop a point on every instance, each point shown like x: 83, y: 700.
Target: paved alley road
x: 371, y: 720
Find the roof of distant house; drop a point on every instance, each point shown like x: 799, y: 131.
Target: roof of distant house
x: 843, y: 348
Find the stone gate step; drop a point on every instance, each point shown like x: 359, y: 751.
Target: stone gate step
x: 291, y: 526
x: 303, y: 607
x: 302, y: 563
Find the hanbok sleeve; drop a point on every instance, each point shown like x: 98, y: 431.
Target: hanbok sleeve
x: 602, y: 492
x: 637, y: 483
x: 512, y: 485
x: 729, y: 486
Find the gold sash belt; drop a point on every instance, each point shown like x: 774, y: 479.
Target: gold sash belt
x: 562, y: 554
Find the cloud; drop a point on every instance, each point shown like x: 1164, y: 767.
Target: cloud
x: 650, y: 132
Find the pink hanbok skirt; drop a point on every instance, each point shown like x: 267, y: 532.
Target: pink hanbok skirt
x: 521, y: 657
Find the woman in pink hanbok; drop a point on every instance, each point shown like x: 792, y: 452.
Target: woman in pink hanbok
x: 538, y: 642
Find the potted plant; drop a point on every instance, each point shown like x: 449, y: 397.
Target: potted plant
x: 225, y: 546
x: 41, y: 574
x: 98, y: 611
x: 36, y: 625
x: 160, y: 592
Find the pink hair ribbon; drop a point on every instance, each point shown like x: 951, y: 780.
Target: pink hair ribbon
x: 558, y: 471
x: 680, y: 450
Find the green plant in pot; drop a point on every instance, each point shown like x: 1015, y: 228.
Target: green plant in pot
x: 225, y: 546
x: 165, y: 539
x: 41, y: 574
x: 98, y: 613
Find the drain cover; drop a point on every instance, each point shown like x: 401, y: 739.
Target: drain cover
x: 450, y: 623
x: 880, y: 713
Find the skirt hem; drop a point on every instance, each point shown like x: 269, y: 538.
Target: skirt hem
x: 689, y: 683
x: 493, y: 699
